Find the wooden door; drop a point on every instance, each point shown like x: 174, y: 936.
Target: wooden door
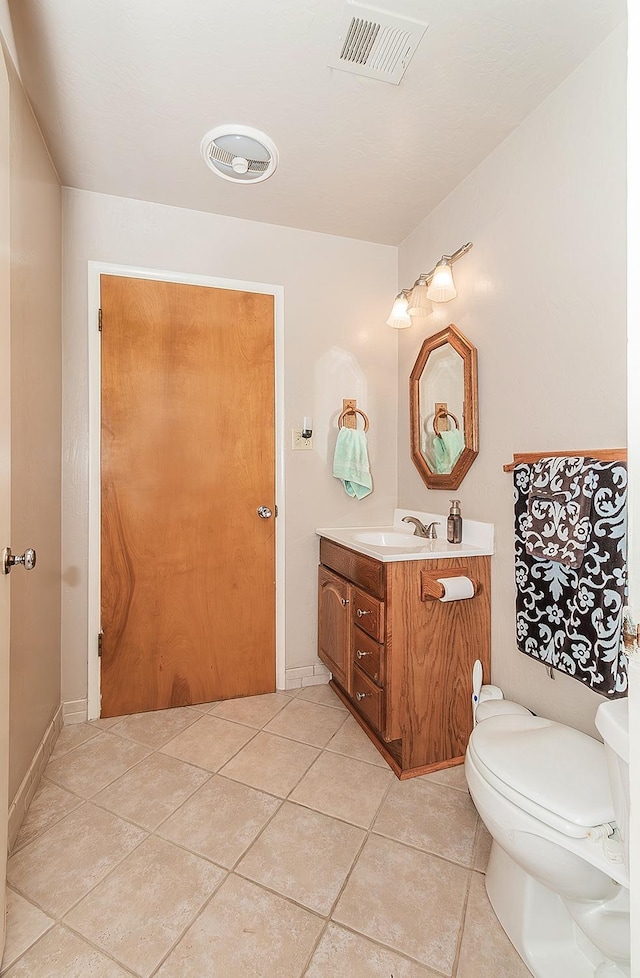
x: 334, y: 625
x: 187, y: 455
x: 5, y: 480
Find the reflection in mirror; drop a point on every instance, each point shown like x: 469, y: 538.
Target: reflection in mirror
x: 441, y: 406
x: 443, y: 403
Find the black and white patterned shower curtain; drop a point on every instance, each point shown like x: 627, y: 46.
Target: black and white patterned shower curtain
x: 571, y: 618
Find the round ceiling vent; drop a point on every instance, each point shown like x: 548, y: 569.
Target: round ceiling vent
x: 239, y: 153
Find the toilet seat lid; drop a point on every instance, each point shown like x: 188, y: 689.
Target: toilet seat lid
x: 561, y: 770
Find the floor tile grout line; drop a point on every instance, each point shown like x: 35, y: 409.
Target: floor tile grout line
x: 311, y: 955
x: 60, y: 917
x: 145, y: 828
x: 367, y: 836
x: 461, y: 928
x: 278, y: 798
x: 57, y: 755
x: 333, y: 750
x: 268, y: 823
x: 227, y: 760
x: 260, y: 886
x: 212, y: 712
x: 108, y: 784
x: 100, y: 950
x: 65, y: 926
x: 371, y: 833
x: 64, y: 922
x: 479, y: 827
x: 176, y: 942
x: 41, y: 835
x: 388, y: 948
x: 190, y: 924
x: 19, y: 848
x: 142, y: 760
x: 54, y: 923
x: 123, y: 736
x: 282, y: 896
x: 296, y: 740
x: 416, y: 848
x: 213, y: 862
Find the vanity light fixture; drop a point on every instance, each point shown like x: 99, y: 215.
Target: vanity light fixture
x: 399, y: 318
x: 434, y: 286
x: 442, y: 287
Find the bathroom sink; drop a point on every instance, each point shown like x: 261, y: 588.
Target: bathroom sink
x: 395, y: 541
x: 391, y: 538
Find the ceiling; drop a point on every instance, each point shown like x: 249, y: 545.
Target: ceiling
x: 124, y: 92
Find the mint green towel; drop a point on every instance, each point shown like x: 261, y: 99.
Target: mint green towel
x: 351, y: 462
x: 447, y: 448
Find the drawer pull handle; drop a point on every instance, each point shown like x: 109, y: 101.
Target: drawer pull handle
x: 361, y: 696
x: 360, y: 613
x: 344, y: 601
x: 361, y: 654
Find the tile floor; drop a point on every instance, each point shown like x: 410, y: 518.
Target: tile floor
x: 256, y: 837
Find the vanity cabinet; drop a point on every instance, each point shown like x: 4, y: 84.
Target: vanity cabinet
x: 334, y: 625
x: 401, y: 662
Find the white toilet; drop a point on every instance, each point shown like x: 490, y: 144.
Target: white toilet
x: 557, y: 805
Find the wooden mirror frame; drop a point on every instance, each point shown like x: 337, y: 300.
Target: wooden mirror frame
x: 469, y: 354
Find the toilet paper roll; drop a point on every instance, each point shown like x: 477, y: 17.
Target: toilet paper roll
x: 456, y: 588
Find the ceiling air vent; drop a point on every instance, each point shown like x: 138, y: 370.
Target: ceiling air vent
x: 375, y: 43
x: 239, y: 153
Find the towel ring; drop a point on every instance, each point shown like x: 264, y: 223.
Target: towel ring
x: 354, y: 411
x: 443, y: 414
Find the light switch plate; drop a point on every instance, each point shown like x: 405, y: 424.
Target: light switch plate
x: 298, y: 443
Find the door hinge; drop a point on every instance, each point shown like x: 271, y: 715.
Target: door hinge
x: 99, y: 645
x: 99, y: 320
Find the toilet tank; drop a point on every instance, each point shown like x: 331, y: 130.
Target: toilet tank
x: 612, y: 721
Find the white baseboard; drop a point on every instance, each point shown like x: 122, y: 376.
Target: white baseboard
x: 300, y: 676
x: 74, y: 711
x: 31, y: 780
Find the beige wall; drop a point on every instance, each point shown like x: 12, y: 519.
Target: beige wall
x: 5, y: 478
x: 36, y: 273
x: 542, y: 296
x: 336, y: 293
x: 6, y: 30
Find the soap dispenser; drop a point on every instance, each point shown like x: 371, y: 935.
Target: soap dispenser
x: 454, y: 523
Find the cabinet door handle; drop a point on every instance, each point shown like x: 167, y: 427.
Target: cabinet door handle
x: 360, y: 613
x: 344, y: 601
x: 361, y: 654
x: 361, y: 696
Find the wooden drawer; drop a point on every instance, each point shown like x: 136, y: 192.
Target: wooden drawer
x: 365, y: 571
x: 368, y: 614
x: 368, y: 698
x: 368, y: 654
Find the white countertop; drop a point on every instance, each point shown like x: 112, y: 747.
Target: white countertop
x: 477, y: 538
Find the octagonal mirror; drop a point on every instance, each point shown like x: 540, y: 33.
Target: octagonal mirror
x: 443, y: 406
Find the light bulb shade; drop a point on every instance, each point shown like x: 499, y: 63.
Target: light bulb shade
x: 420, y: 304
x: 399, y: 318
x: 442, y: 287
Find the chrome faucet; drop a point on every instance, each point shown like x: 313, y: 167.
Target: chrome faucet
x: 420, y: 530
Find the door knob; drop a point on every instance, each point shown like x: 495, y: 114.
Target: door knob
x: 264, y: 512
x: 9, y: 560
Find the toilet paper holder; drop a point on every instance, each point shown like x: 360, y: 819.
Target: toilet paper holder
x: 432, y: 590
